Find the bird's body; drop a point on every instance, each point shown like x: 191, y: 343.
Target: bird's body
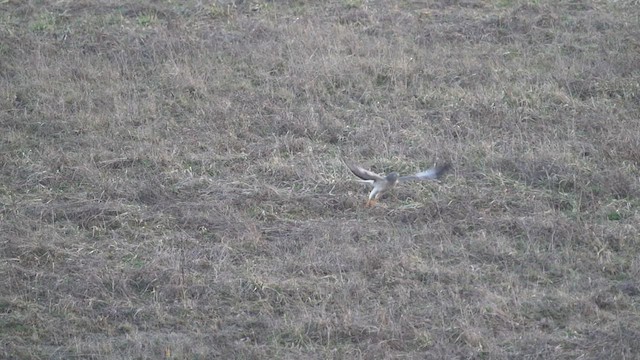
x: 381, y: 184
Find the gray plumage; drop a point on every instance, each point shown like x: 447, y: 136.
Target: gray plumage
x: 381, y: 184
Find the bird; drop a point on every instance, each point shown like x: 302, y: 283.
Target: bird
x: 382, y: 184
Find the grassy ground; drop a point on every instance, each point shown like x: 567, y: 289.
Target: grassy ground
x: 171, y: 182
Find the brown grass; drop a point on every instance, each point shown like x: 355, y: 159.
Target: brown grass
x: 171, y: 183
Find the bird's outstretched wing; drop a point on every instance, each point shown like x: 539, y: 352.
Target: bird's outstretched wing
x: 363, y: 173
x: 431, y: 174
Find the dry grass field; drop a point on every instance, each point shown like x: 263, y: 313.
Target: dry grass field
x: 172, y: 181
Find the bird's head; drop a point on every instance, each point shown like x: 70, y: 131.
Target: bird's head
x: 392, y: 177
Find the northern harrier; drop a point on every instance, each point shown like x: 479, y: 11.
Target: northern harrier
x: 382, y: 184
